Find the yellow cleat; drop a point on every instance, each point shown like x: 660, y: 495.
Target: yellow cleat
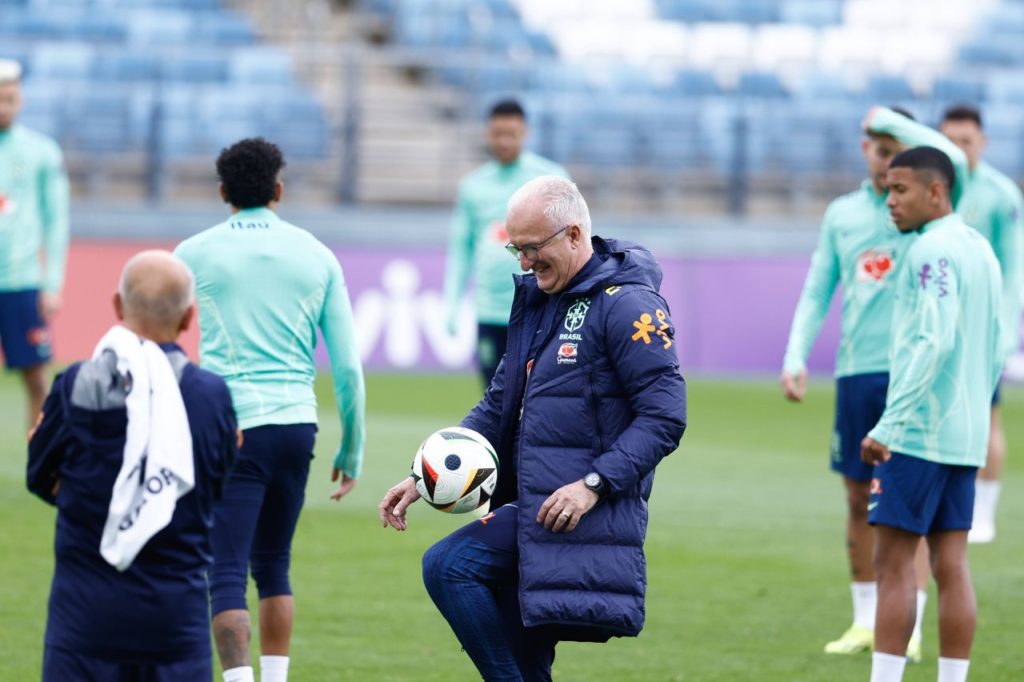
x: 853, y: 641
x: 914, y: 650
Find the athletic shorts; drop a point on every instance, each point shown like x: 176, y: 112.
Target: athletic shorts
x: 61, y: 665
x: 255, y: 520
x: 997, y: 395
x: 23, y: 334
x: 920, y: 496
x: 860, y: 401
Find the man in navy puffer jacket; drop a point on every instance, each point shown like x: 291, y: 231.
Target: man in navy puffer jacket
x: 586, y: 402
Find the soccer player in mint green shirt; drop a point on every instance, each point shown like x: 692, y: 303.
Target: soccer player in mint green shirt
x: 860, y: 249
x: 946, y: 353
x: 477, y: 237
x: 33, y: 222
x: 993, y: 205
x: 263, y: 288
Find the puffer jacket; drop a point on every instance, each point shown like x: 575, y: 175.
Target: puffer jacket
x: 603, y: 392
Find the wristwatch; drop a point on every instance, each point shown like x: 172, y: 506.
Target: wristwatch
x: 594, y: 482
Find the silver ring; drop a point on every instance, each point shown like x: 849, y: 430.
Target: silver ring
x: 566, y: 515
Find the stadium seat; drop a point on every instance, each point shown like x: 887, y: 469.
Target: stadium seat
x: 263, y: 65
x: 126, y: 65
x: 784, y: 46
x: 209, y: 67
x: 958, y: 89
x: 811, y: 12
x: 761, y: 84
x: 695, y: 83
x: 63, y: 61
x: 889, y: 89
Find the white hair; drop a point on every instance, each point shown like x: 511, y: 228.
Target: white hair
x: 10, y: 71
x: 563, y: 203
x: 164, y: 306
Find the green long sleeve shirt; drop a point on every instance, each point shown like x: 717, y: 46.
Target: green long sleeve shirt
x: 992, y: 204
x: 946, y: 347
x: 477, y: 237
x: 33, y: 211
x: 264, y: 287
x: 860, y: 248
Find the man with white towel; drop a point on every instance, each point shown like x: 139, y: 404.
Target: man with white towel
x: 133, y: 447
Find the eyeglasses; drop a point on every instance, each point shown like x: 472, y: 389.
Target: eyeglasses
x: 531, y: 251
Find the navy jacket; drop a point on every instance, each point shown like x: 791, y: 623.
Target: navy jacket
x: 603, y: 393
x: 158, y: 609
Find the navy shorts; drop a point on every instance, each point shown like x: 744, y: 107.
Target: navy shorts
x: 997, y: 395
x: 491, y: 340
x: 860, y: 401
x: 61, y: 665
x: 23, y: 334
x: 255, y: 520
x: 920, y: 496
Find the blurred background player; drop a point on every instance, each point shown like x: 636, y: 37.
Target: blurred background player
x: 993, y: 205
x: 33, y: 219
x: 860, y: 249
x: 946, y: 351
x: 477, y: 235
x: 118, y: 612
x: 264, y: 287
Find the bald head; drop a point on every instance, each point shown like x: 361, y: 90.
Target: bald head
x: 155, y: 296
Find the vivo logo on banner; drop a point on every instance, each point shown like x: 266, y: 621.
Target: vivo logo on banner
x: 400, y: 323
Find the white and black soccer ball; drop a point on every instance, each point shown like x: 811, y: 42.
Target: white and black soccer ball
x: 455, y: 470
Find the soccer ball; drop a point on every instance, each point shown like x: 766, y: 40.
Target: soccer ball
x: 455, y: 470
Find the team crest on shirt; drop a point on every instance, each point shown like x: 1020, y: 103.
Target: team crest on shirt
x: 576, y: 314
x: 6, y: 205
x: 874, y: 265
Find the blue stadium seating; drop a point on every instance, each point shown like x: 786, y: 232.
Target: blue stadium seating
x: 191, y: 68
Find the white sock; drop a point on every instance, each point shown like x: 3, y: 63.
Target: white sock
x: 887, y: 668
x: 922, y: 599
x: 273, y: 669
x: 986, y: 498
x: 953, y: 669
x: 242, y: 673
x: 865, y: 600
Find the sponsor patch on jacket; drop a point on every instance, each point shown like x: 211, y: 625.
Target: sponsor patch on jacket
x: 874, y: 266
x: 645, y: 328
x: 567, y: 353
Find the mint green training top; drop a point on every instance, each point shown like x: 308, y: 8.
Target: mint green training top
x: 33, y: 211
x: 946, y: 347
x: 993, y: 205
x: 861, y: 249
x: 263, y: 287
x: 477, y: 237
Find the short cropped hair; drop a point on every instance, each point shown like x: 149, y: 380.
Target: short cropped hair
x: 963, y: 112
x: 507, y: 107
x: 563, y: 203
x: 249, y: 170
x: 928, y: 159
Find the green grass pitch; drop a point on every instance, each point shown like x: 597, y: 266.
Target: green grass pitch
x: 747, y: 575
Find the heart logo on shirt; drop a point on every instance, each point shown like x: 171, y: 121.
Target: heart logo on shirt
x: 873, y: 266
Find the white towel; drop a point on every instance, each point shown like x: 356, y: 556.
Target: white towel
x: 157, y: 467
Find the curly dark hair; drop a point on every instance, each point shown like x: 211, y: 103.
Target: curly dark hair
x: 248, y: 170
